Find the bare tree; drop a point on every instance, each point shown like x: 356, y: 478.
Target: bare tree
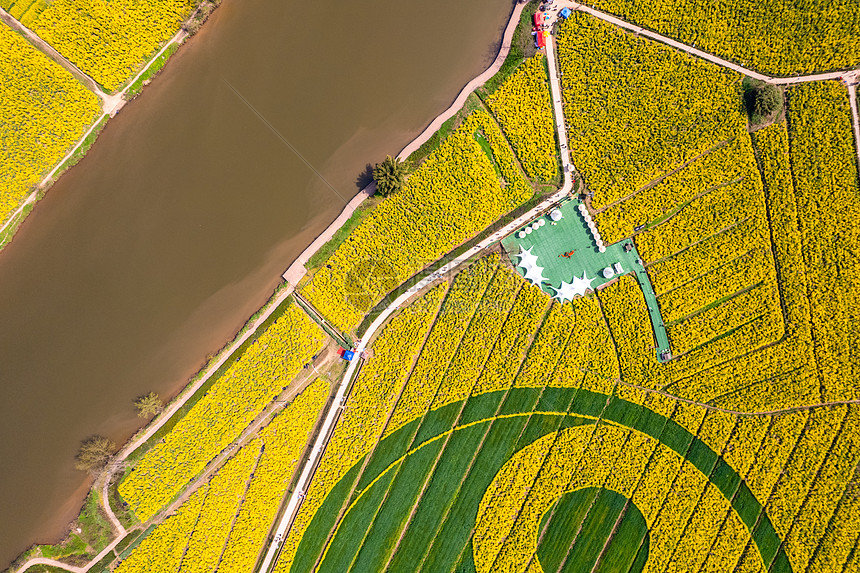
x: 148, y: 405
x: 94, y: 454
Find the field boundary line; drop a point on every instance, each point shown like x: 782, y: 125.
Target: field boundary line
x: 661, y: 178
x: 814, y: 482
x: 432, y: 472
x: 239, y: 507
x: 651, y: 35
x: 349, y: 502
x: 296, y: 271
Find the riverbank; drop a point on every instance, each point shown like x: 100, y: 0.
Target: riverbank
x: 171, y: 77
x: 111, y: 104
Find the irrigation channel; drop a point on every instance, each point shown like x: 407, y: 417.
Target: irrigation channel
x: 151, y: 253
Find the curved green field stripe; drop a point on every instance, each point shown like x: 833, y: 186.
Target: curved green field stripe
x: 586, y: 404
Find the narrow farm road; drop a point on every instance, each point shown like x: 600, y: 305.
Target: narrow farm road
x: 332, y: 416
x: 852, y: 81
x: 49, y: 51
x: 699, y: 53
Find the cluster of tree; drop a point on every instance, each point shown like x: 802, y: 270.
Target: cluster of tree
x: 96, y: 451
x: 762, y: 100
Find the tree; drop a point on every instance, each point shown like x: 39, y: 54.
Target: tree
x: 94, y: 454
x: 762, y: 100
x: 766, y: 100
x: 390, y: 175
x: 148, y: 405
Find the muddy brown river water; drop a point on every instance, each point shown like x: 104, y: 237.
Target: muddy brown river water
x: 154, y: 250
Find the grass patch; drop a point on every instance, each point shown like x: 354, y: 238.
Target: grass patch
x: 45, y: 569
x: 198, y: 395
x: 126, y: 541
x: 96, y: 530
x: 15, y: 222
x: 488, y: 151
x: 151, y: 71
x: 74, y: 545
x: 522, y: 48
x: 84, y: 147
x: 134, y: 544
x: 324, y: 252
x: 103, y: 564
x: 391, y: 516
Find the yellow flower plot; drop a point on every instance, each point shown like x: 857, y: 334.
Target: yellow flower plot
x: 110, y: 39
x: 782, y: 38
x: 523, y: 105
x: 455, y: 194
x: 45, y: 111
x: 241, y: 393
x: 225, y: 522
x: 518, y: 508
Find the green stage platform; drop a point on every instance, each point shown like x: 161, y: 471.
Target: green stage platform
x: 566, y: 252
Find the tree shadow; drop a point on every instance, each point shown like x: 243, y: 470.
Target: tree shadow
x: 365, y: 177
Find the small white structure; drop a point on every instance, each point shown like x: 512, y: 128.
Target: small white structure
x: 608, y: 273
x: 601, y: 248
x: 535, y: 226
x: 566, y: 291
x: 532, y: 272
x: 528, y: 230
x: 556, y: 215
x: 617, y: 268
x: 521, y: 235
x: 542, y: 222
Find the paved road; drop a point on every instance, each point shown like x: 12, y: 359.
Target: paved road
x: 695, y: 51
x: 852, y: 80
x: 333, y: 414
x: 297, y: 270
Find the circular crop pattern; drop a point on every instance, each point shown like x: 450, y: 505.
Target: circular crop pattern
x: 611, y: 463
x: 592, y: 509
x: 614, y: 487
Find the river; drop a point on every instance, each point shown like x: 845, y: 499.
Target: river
x: 150, y: 254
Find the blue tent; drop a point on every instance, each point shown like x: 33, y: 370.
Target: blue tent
x: 565, y: 13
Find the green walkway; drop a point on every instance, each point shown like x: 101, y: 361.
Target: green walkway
x: 566, y: 250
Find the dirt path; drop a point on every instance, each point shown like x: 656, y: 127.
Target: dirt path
x: 699, y: 53
x: 297, y: 269
x: 49, y: 51
x: 852, y: 80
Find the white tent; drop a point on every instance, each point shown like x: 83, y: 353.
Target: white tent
x: 526, y: 257
x: 528, y: 263
x: 566, y: 291
x: 533, y: 273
